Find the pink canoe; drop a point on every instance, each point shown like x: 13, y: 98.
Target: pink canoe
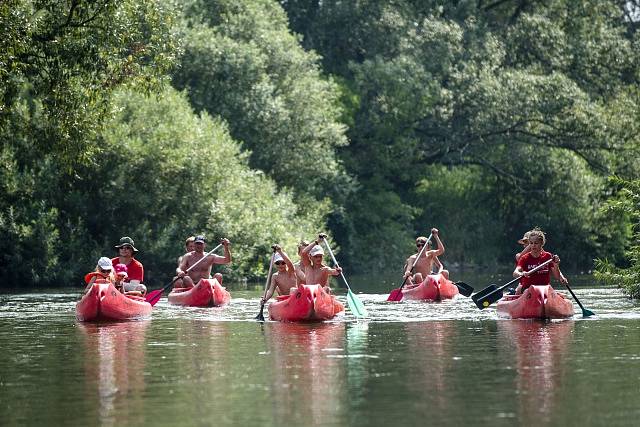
x: 104, y: 302
x: 536, y: 302
x: 435, y: 288
x: 306, y: 303
x: 207, y: 293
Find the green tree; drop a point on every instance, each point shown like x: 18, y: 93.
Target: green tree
x: 624, y: 206
x: 242, y: 63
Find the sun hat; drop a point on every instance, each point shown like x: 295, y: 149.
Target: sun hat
x: 277, y: 257
x: 525, y: 238
x: 126, y: 241
x: 121, y: 269
x: 105, y: 263
x: 316, y: 250
x: 200, y: 238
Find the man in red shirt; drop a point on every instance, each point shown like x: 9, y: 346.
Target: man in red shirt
x: 135, y: 270
x: 534, y: 258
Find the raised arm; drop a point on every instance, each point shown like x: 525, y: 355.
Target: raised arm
x: 285, y: 258
x: 436, y: 235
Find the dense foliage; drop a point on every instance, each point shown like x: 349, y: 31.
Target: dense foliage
x: 270, y: 120
x: 625, y: 205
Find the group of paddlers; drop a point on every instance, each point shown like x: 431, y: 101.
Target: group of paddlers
x: 127, y: 273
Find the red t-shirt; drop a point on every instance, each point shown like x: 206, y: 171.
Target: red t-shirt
x: 540, y: 277
x: 135, y: 271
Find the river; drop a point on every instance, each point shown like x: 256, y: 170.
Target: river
x: 408, y: 364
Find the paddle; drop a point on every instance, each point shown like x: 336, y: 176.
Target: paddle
x: 493, y: 293
x: 154, y: 296
x: 260, y: 316
x: 356, y: 306
x: 585, y: 312
x: 396, y: 294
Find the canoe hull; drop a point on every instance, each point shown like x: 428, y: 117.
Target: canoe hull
x: 207, y: 293
x: 435, y: 288
x: 103, y: 302
x: 536, y: 302
x: 307, y: 303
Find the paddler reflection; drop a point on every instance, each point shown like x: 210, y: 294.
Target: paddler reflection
x: 114, y: 369
x: 540, y: 363
x: 309, y: 372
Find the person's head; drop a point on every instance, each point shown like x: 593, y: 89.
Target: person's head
x: 303, y: 244
x: 104, y: 265
x: 120, y: 271
x: 421, y: 241
x: 189, y: 244
x: 316, y: 253
x: 199, y: 243
x: 536, y: 239
x: 278, y: 261
x: 525, y: 239
x: 126, y: 247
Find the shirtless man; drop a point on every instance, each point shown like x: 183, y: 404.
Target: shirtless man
x: 298, y: 267
x: 285, y: 278
x: 203, y: 269
x: 425, y: 263
x: 189, y: 246
x: 315, y: 272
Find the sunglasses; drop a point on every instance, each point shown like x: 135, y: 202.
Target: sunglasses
x: 419, y: 245
x: 279, y: 263
x: 126, y: 247
x: 103, y: 271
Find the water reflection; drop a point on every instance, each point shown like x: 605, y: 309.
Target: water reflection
x: 114, y: 362
x: 308, y: 383
x: 429, y: 346
x: 541, y: 349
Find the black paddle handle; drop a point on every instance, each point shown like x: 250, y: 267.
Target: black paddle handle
x: 536, y: 268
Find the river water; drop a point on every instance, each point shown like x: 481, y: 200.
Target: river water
x: 440, y: 364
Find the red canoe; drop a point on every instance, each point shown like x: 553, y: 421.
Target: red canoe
x: 536, y: 302
x: 104, y: 302
x: 306, y: 303
x: 207, y: 293
x: 435, y: 288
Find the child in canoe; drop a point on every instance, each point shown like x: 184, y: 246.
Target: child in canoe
x: 102, y: 273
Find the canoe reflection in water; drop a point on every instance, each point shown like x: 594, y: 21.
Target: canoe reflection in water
x: 308, y: 384
x: 114, y: 357
x: 540, y: 362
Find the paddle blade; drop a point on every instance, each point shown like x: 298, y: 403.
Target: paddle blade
x: 153, y: 297
x: 464, y: 289
x: 481, y: 298
x: 587, y: 313
x: 260, y: 316
x: 395, y: 295
x: 355, y: 305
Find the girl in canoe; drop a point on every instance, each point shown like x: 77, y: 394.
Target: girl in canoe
x: 285, y: 278
x: 534, y: 258
x: 102, y: 273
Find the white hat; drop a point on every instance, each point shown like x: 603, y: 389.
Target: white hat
x: 105, y: 263
x: 316, y: 250
x: 277, y: 257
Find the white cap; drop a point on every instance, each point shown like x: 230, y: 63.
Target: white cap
x: 105, y: 263
x: 277, y: 257
x: 316, y: 250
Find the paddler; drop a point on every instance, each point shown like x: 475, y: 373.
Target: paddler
x: 135, y: 270
x: 315, y: 272
x: 203, y: 269
x: 534, y: 258
x: 285, y: 278
x: 425, y: 263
